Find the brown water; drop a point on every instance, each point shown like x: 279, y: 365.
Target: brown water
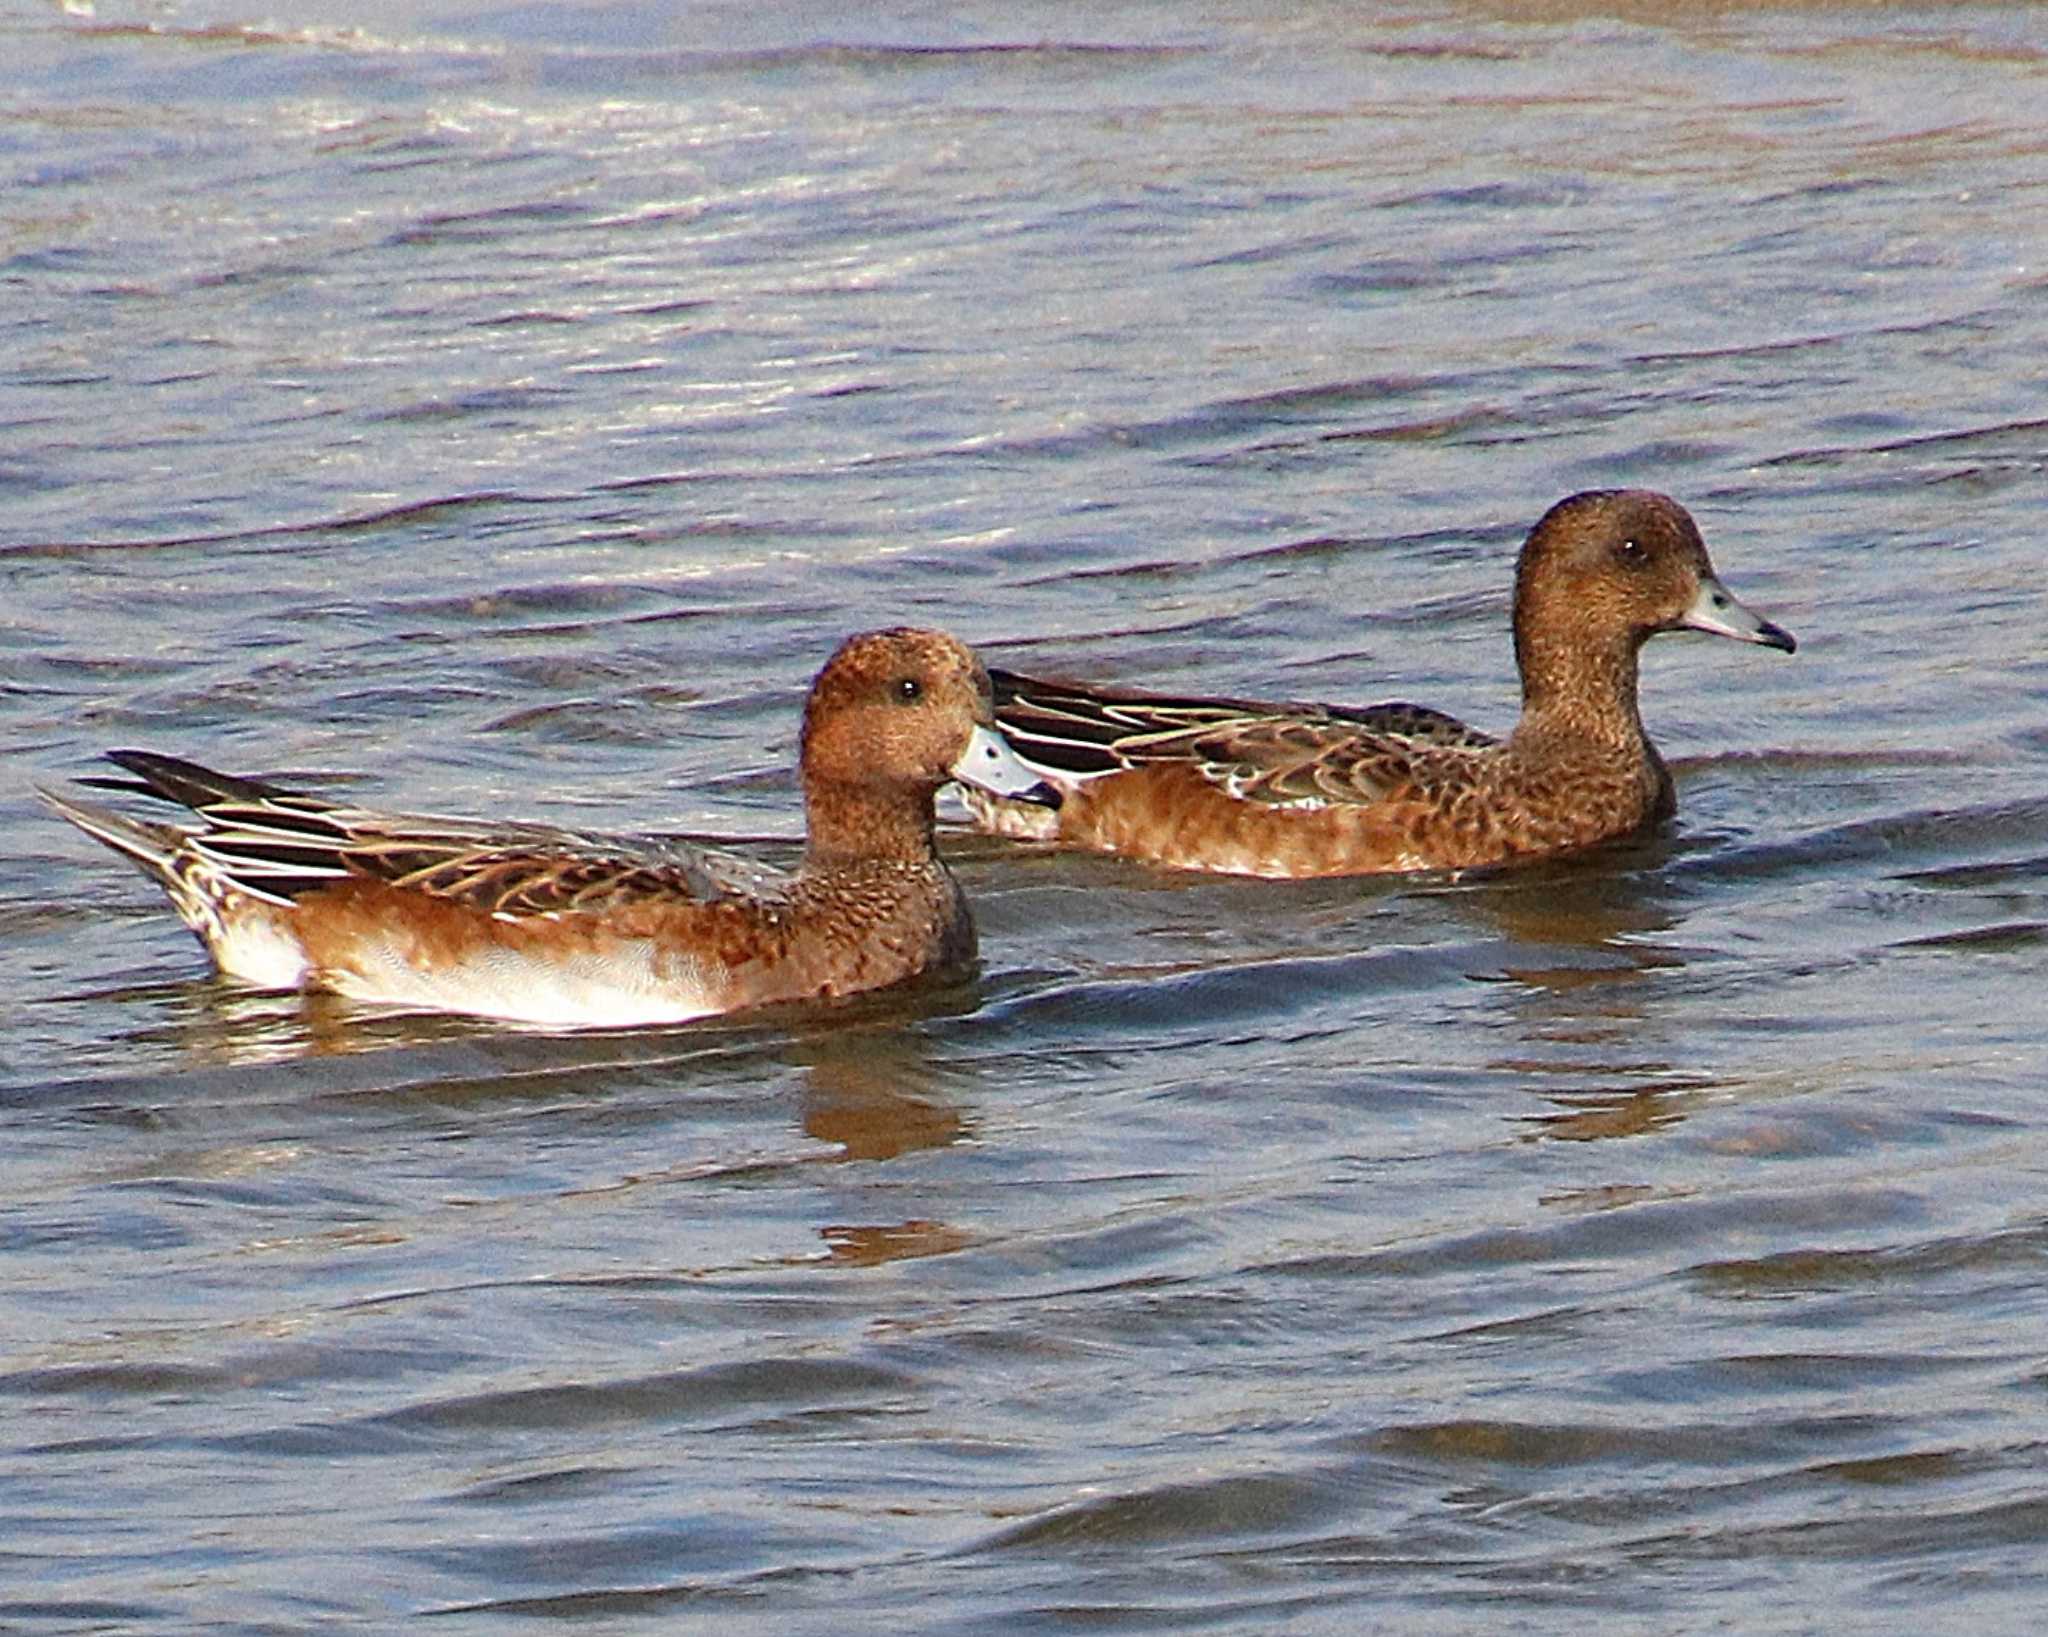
x: 505, y: 411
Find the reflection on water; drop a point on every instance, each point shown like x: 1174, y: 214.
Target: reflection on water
x: 505, y: 414
x: 1593, y: 950
x: 1591, y: 1115
x: 892, y: 1242
x: 876, y: 1095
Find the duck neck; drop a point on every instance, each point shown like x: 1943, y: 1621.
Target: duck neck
x: 849, y: 822
x: 1588, y: 692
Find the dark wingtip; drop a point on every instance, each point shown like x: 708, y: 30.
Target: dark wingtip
x: 173, y: 779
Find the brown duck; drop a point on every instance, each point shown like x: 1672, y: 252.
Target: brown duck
x: 535, y: 924
x: 1315, y: 790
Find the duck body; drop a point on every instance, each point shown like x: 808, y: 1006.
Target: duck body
x: 1291, y: 790
x: 535, y: 924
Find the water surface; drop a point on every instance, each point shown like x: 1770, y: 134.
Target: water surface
x: 505, y: 410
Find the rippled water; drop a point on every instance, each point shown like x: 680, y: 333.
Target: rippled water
x: 506, y: 411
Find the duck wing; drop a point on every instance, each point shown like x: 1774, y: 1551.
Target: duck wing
x: 278, y: 845
x: 1277, y: 753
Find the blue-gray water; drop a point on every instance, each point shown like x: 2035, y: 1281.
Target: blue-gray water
x: 505, y: 410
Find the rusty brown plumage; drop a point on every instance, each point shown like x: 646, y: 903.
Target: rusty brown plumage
x: 1307, y: 790
x: 540, y: 924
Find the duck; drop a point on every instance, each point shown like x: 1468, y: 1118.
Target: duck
x: 530, y: 924
x: 1309, y: 790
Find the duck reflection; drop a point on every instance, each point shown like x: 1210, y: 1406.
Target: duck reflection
x: 876, y: 1095
x: 871, y: 1246
x: 867, y: 1086
x: 1571, y: 930
x: 1589, y: 1116
x: 873, y: 1092
x: 1585, y: 953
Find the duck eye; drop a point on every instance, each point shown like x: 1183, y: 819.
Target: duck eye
x: 1632, y: 552
x: 909, y: 690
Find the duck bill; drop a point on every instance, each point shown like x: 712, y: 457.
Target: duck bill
x: 988, y: 763
x: 1716, y: 610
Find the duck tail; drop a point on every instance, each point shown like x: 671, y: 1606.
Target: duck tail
x: 151, y: 848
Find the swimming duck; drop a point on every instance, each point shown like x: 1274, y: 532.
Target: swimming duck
x: 529, y: 923
x: 1291, y: 790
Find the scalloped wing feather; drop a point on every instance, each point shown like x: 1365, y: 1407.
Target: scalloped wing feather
x: 279, y: 848
x: 1077, y: 732
x: 1279, y: 754
x: 1289, y: 763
